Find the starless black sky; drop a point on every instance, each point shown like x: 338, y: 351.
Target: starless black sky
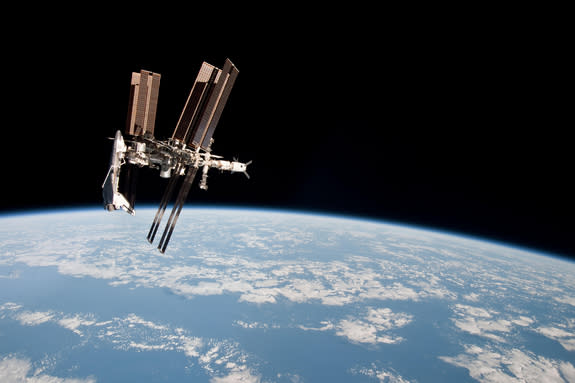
x: 446, y: 126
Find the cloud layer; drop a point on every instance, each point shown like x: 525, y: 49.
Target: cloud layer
x: 17, y: 370
x: 223, y: 360
x: 486, y: 364
x: 367, y: 277
x: 375, y: 327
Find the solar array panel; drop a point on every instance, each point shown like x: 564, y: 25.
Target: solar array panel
x: 204, y: 106
x: 144, y: 90
x: 195, y: 128
x: 195, y: 105
x: 218, y: 101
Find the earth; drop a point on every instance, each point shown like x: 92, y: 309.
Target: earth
x: 245, y: 295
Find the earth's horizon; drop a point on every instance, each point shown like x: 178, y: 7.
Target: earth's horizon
x: 270, y: 295
x: 297, y: 211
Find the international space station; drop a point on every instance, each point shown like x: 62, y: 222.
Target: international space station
x: 182, y: 155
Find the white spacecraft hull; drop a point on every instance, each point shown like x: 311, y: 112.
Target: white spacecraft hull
x: 113, y: 199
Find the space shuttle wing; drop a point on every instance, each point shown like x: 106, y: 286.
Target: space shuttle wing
x: 205, y: 104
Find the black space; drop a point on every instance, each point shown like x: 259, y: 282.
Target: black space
x: 455, y: 126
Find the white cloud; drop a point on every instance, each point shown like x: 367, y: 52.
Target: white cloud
x: 487, y: 323
x: 523, y: 321
x: 10, y: 306
x: 474, y: 311
x: 221, y: 359
x: 35, y: 318
x: 148, y: 347
x: 473, y: 297
x: 202, y: 288
x: 372, y: 329
x: 395, y: 291
x: 73, y: 322
x: 135, y: 319
x: 566, y: 299
x: 386, y: 319
x: 17, y: 370
x: 358, y: 331
x: 568, y: 371
x: 554, y: 333
x: 484, y: 328
x: 242, y: 376
x: 564, y: 337
x: 210, y: 355
x: 326, y: 325
x: 511, y: 366
x: 303, y: 290
x: 258, y: 298
x: 568, y: 343
x: 253, y: 325
x: 381, y: 374
x: 191, y: 346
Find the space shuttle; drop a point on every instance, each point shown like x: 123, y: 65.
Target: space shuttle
x: 113, y: 199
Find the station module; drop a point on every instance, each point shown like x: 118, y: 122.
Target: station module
x: 183, y: 155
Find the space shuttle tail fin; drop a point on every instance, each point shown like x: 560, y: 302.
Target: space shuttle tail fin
x: 120, y: 202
